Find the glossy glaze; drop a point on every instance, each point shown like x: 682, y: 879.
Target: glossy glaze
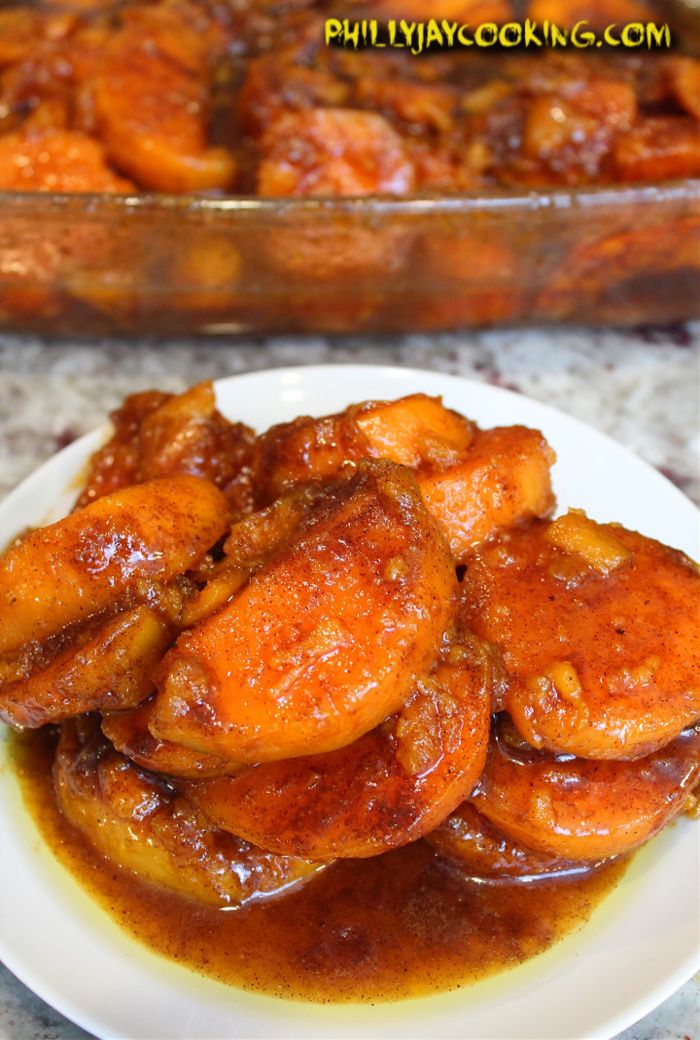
x: 401, y: 925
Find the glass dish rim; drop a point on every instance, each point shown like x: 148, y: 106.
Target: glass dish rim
x: 535, y: 200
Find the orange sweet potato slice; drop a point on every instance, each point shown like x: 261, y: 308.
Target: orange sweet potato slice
x: 150, y: 107
x: 129, y: 732
x: 137, y: 821
x: 472, y: 481
x: 54, y: 159
x: 480, y: 849
x: 95, y: 558
x: 112, y: 668
x: 601, y: 645
x: 326, y: 639
x: 389, y: 788
x: 580, y: 809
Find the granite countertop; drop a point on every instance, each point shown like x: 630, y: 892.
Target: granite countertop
x: 642, y: 388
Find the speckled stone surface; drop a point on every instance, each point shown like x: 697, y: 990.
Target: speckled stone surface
x: 642, y: 388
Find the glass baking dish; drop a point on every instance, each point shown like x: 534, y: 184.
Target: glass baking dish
x: 100, y: 264
x: 159, y: 264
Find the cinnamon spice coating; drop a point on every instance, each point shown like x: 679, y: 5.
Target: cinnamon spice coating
x: 339, y: 636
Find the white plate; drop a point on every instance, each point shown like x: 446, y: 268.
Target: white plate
x: 641, y: 943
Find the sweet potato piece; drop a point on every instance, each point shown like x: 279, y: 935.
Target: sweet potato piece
x: 113, y: 668
x: 472, y: 481
x: 324, y: 642
x: 333, y: 151
x: 473, y: 264
x: 503, y: 479
x: 576, y: 535
x: 187, y: 33
x: 430, y: 106
x: 39, y: 263
x: 23, y: 30
x: 19, y: 31
x: 580, y: 809
x: 137, y: 821
x: 129, y: 732
x: 55, y: 160
x: 605, y: 275
x: 251, y: 544
x: 96, y: 557
x: 387, y: 789
x: 277, y: 84
x: 414, y: 431
x: 660, y: 148
x: 571, y: 130
x: 45, y: 88
x: 295, y: 453
x: 601, y: 664
x: 150, y: 114
x: 469, y: 839
x: 205, y: 273
x: 117, y: 464
x: 684, y: 77
x: 159, y: 435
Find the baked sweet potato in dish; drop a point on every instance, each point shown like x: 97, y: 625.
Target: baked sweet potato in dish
x: 581, y: 809
x: 326, y: 639
x: 470, y: 840
x: 110, y: 666
x: 139, y: 822
x: 129, y: 733
x: 599, y: 632
x: 386, y: 789
x: 331, y: 639
x: 164, y: 435
x: 474, y: 482
x: 95, y: 558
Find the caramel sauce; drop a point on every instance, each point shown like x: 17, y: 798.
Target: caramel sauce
x: 406, y: 924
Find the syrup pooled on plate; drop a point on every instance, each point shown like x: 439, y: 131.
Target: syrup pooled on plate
x: 401, y: 925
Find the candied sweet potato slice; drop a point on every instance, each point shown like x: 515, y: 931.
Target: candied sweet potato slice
x: 158, y: 435
x: 503, y: 478
x: 23, y: 29
x: 150, y: 111
x: 333, y: 151
x: 54, y: 159
x: 136, y: 820
x: 416, y: 431
x: 472, y: 481
x: 601, y: 646
x: 469, y: 839
x: 660, y: 148
x: 684, y: 77
x: 389, y: 788
x: 569, y: 131
x: 95, y: 558
x: 605, y: 274
x: 113, y: 668
x: 580, y: 809
x: 324, y: 642
x: 117, y: 464
x: 129, y: 732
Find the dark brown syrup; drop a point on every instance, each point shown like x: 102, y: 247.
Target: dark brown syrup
x: 401, y: 925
